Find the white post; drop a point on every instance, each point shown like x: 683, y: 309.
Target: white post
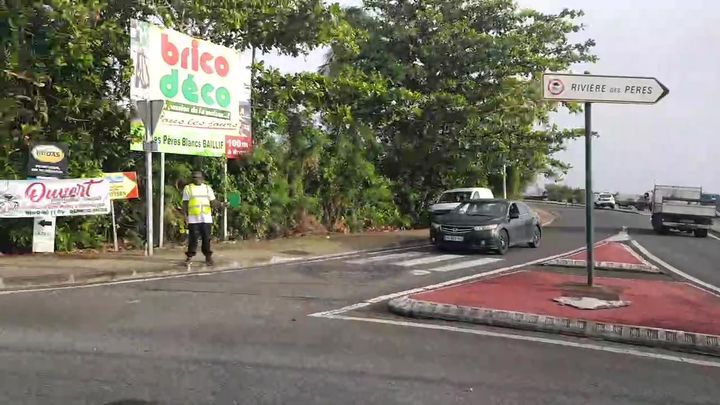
x: 225, y: 210
x: 161, y: 216
x: 114, y: 226
x: 148, y: 183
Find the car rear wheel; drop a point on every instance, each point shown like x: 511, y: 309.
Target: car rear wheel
x: 536, y: 236
x: 503, y: 242
x: 701, y: 233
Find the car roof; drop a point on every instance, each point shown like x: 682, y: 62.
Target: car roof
x: 466, y: 189
x: 494, y: 200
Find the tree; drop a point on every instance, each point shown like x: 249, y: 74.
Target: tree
x: 473, y: 68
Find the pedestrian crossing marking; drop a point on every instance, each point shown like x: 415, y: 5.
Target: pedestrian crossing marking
x: 384, y: 257
x: 465, y: 264
x: 427, y: 260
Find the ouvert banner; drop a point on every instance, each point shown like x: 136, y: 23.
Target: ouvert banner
x: 203, y: 85
x: 54, y: 197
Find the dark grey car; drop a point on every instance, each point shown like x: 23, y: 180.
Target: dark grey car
x: 487, y: 225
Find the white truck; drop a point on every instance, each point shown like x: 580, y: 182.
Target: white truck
x: 680, y: 208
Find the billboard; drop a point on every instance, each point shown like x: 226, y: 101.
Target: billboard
x: 54, y: 197
x: 203, y: 85
x: 47, y: 159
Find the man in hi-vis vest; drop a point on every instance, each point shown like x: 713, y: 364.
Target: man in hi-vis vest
x: 198, y: 201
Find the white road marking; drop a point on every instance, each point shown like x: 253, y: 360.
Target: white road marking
x: 419, y: 272
x: 383, y: 258
x: 427, y: 260
x: 230, y: 268
x: 679, y: 272
x: 382, y: 298
x: 713, y: 236
x: 465, y: 264
x: 537, y: 339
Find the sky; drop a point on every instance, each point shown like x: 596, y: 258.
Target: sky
x: 673, y: 142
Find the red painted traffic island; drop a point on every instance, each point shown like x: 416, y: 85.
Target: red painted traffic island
x: 668, y: 305
x: 608, y: 256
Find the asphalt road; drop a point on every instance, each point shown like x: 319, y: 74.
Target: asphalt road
x: 246, y: 338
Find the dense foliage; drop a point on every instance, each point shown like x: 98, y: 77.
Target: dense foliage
x: 415, y: 97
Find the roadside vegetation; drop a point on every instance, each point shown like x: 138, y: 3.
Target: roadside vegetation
x: 413, y: 99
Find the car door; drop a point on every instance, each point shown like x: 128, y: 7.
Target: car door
x: 528, y: 221
x: 514, y: 227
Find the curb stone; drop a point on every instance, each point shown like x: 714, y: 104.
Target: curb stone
x: 633, y: 334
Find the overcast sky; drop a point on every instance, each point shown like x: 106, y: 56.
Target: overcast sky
x: 673, y: 142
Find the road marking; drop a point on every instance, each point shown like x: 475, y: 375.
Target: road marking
x: 713, y: 236
x: 537, y: 339
x: 382, y: 298
x: 427, y: 260
x: 680, y: 273
x: 419, y: 272
x: 383, y: 257
x: 230, y: 268
x: 465, y: 264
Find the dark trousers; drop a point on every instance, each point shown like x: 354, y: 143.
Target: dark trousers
x: 202, y: 232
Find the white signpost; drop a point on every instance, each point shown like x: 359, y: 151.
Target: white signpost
x: 591, y: 89
x: 43, y: 234
x: 602, y: 89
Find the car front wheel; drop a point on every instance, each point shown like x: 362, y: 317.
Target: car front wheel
x: 536, y: 236
x: 503, y: 242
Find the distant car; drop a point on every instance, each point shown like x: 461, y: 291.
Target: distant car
x: 604, y: 200
x: 451, y: 199
x: 492, y: 224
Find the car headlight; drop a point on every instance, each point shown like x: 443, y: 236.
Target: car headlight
x: 485, y: 227
x: 435, y: 226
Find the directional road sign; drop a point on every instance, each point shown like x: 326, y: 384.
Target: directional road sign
x: 602, y: 89
x: 43, y: 235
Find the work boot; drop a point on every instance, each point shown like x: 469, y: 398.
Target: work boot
x: 209, y: 261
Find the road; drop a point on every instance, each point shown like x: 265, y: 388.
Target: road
x: 246, y: 338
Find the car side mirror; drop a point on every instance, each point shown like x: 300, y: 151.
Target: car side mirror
x: 514, y: 215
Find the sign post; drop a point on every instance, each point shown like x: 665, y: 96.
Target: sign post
x: 149, y: 113
x: 590, y: 89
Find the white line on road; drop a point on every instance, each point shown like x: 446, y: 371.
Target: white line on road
x: 231, y: 268
x: 382, y: 298
x: 680, y: 273
x: 465, y: 264
x: 537, y: 339
x: 383, y: 257
x: 713, y: 236
x: 427, y: 260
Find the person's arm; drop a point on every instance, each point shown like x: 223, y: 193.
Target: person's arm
x: 216, y: 204
x: 185, y: 201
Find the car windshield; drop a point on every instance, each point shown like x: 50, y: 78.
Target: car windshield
x: 454, y: 197
x: 484, y: 208
x: 605, y: 195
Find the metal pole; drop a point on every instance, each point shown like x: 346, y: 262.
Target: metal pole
x: 148, y: 183
x: 589, y: 194
x: 225, y: 210
x: 504, y: 181
x: 114, y: 230
x: 161, y: 215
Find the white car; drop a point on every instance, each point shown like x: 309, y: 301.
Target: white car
x: 604, y: 200
x: 450, y: 199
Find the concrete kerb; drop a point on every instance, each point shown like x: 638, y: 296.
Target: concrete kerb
x: 632, y: 334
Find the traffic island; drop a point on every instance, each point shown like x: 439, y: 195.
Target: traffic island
x: 658, y: 313
x: 608, y: 256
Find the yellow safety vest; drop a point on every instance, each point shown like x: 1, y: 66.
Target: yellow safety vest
x: 199, y: 203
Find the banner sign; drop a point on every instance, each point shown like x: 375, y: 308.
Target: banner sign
x: 54, y: 197
x: 203, y: 85
x: 123, y: 185
x: 47, y: 159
